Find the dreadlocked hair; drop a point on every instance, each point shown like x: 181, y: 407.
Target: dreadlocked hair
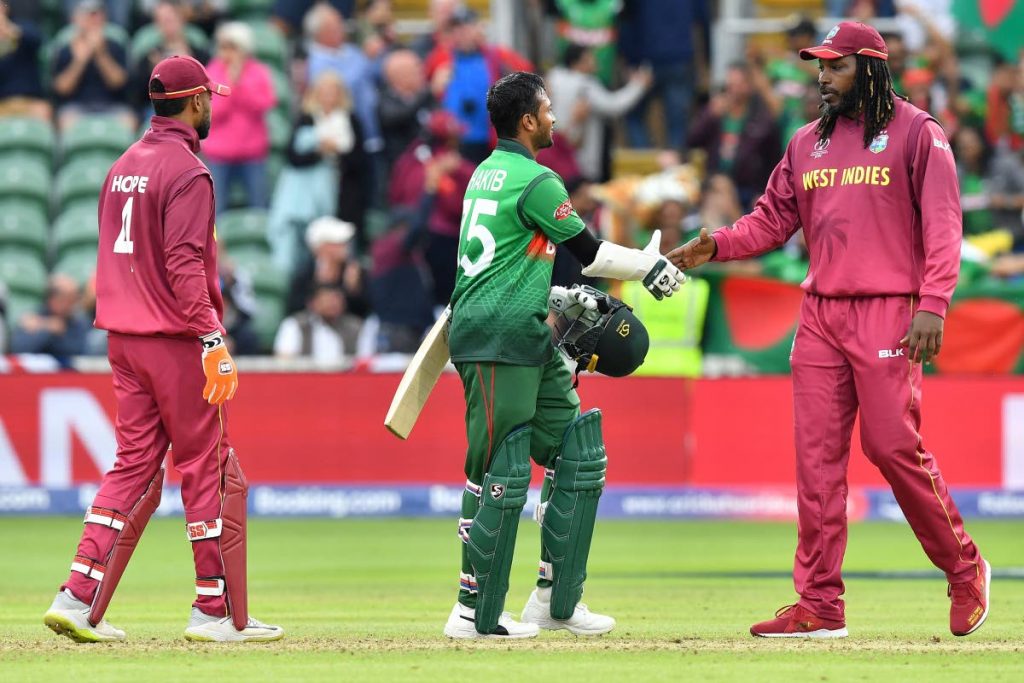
x: 872, y: 96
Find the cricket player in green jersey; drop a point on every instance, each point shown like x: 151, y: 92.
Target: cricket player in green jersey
x: 520, y: 401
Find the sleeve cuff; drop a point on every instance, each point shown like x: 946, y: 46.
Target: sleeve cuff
x: 721, y: 239
x: 933, y: 304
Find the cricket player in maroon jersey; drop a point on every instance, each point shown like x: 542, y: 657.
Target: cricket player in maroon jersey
x: 873, y: 185
x: 157, y: 294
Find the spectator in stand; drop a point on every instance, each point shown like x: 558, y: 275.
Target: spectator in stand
x: 169, y: 18
x: 719, y: 202
x: 782, y: 79
x: 441, y: 12
x: 379, y: 37
x: 440, y: 144
x: 585, y: 105
x: 737, y: 125
x: 460, y: 74
x: 329, y: 50
x: 330, y: 263
x: 590, y: 23
x: 322, y: 176
x: 991, y: 186
x: 91, y: 71
x: 21, y: 89
x: 664, y: 34
x: 239, y: 308
x: 206, y: 14
x: 288, y: 15
x: 400, y: 288
x: 59, y: 328
x: 404, y: 105
x: 237, y: 147
x: 119, y: 11
x: 324, y: 332
x: 1004, y: 119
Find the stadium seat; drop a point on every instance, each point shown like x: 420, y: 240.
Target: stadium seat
x: 267, y: 318
x: 268, y: 44
x: 25, y: 178
x: 28, y: 136
x: 19, y: 304
x: 22, y: 272
x: 266, y: 278
x: 23, y: 224
x: 241, y: 227
x: 283, y: 89
x: 81, y: 178
x: 280, y: 130
x: 250, y: 9
x: 79, y: 263
x: 96, y: 134
x: 75, y: 228
x: 148, y: 38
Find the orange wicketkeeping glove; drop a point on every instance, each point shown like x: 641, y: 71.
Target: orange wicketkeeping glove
x: 219, y: 368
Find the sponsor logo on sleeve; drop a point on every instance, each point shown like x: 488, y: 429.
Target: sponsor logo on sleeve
x: 563, y: 211
x: 941, y: 144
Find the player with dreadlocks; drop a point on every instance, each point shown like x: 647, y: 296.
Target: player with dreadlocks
x: 873, y: 185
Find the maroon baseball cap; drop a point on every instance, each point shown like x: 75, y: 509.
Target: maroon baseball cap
x: 183, y: 76
x: 848, y: 38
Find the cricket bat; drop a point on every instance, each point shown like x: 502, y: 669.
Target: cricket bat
x: 419, y: 379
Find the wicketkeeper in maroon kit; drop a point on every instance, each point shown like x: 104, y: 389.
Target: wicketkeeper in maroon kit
x: 157, y: 294
x: 874, y: 187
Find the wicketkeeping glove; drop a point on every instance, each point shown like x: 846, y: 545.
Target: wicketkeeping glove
x: 219, y: 368
x: 664, y: 278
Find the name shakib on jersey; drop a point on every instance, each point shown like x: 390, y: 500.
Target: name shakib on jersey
x: 853, y: 175
x: 129, y: 183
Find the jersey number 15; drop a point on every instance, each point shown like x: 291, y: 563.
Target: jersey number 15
x: 472, y: 211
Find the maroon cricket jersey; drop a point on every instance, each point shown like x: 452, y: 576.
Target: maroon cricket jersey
x: 882, y: 220
x: 156, y: 271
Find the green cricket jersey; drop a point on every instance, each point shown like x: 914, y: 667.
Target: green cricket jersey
x: 514, y: 213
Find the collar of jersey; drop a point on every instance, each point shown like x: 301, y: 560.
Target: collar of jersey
x: 163, y: 125
x: 507, y: 145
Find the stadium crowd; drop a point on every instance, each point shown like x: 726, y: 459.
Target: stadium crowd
x: 341, y: 158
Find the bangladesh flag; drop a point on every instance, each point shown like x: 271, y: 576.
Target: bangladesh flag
x: 1000, y: 22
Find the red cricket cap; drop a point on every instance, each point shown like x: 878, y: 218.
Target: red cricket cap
x: 183, y: 76
x: 848, y: 38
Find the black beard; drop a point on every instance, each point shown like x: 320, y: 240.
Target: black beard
x: 846, y: 106
x: 547, y: 141
x: 204, y: 128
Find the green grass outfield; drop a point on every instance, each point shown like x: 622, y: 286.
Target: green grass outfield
x: 366, y: 600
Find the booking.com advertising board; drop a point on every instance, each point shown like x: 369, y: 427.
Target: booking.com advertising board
x: 315, y: 445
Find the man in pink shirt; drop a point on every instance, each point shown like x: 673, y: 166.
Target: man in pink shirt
x: 157, y: 294
x: 873, y: 185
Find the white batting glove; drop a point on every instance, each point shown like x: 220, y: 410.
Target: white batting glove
x: 664, y: 279
x: 572, y: 301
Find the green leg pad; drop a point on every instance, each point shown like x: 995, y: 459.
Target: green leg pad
x: 492, y: 536
x: 568, y: 524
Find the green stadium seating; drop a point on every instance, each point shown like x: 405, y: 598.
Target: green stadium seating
x: 283, y: 90
x: 96, y: 134
x: 74, y: 229
x: 267, y: 318
x: 18, y: 305
x: 241, y: 227
x: 268, y: 44
x: 79, y: 263
x: 266, y: 278
x: 25, y: 178
x: 250, y: 9
x: 148, y: 38
x: 81, y: 178
x: 280, y: 129
x: 23, y: 224
x: 22, y: 272
x: 28, y: 136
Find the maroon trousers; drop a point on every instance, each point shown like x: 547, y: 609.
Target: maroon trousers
x: 158, y: 383
x: 846, y: 358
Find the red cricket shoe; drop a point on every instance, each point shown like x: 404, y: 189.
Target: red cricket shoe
x: 969, y: 602
x: 794, y: 621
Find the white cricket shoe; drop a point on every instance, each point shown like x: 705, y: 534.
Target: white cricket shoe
x: 583, y: 622
x: 461, y: 624
x: 206, y: 629
x: 69, y: 616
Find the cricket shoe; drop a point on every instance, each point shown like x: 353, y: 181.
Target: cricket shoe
x: 583, y: 622
x: 203, y: 628
x: 969, y: 602
x: 69, y: 616
x: 795, y: 621
x: 462, y: 624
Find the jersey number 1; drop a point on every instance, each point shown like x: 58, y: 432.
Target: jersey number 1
x: 124, y: 244
x: 472, y: 210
